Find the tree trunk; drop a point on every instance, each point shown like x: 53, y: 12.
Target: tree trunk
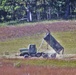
x: 67, y: 10
x: 49, y: 13
x: 38, y: 16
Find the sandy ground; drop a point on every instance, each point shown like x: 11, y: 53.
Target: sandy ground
x: 16, y: 55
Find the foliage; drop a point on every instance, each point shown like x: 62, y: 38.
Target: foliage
x: 40, y: 9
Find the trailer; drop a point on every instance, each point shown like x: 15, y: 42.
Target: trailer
x: 56, y: 46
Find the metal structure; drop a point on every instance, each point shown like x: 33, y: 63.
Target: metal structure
x: 53, y: 43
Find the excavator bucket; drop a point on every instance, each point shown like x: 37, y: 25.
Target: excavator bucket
x: 53, y: 43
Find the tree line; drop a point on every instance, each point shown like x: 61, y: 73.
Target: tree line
x: 36, y: 10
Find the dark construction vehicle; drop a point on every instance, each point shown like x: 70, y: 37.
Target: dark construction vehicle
x: 31, y: 51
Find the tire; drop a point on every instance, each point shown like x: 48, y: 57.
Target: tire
x: 32, y: 55
x: 26, y: 55
x: 22, y: 54
x: 45, y: 55
x: 38, y: 54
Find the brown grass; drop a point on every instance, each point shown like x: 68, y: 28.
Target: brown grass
x: 8, y: 68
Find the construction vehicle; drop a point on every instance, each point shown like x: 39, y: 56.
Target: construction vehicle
x: 55, y: 45
x: 31, y: 51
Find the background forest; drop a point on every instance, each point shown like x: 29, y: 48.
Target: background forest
x: 37, y: 10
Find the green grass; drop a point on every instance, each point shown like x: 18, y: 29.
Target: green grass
x: 24, y: 23
x: 54, y: 63
x: 15, y: 44
x: 44, y: 62
x: 66, y: 39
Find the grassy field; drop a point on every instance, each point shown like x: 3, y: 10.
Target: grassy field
x: 15, y: 23
x: 43, y: 62
x: 66, y: 39
x: 11, y: 41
